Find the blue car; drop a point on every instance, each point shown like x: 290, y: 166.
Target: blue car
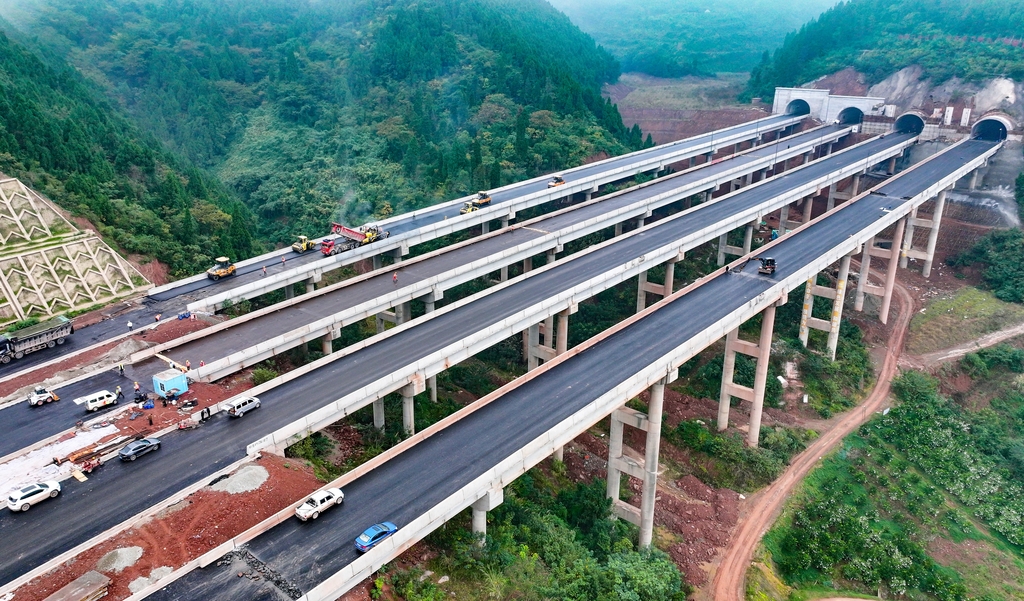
x: 373, y: 535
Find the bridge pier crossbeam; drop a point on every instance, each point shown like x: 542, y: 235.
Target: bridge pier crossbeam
x: 725, y: 249
x: 760, y: 352
x: 644, y: 287
x: 645, y: 469
x: 837, y: 295
x: 928, y: 254
x: 885, y: 291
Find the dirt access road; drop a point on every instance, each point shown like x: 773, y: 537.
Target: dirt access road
x: 729, y: 582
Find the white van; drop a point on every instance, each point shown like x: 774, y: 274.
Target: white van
x: 97, y: 400
x: 240, y: 407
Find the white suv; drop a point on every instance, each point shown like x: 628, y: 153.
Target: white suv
x: 21, y: 500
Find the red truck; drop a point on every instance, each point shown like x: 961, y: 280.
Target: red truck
x: 349, y: 238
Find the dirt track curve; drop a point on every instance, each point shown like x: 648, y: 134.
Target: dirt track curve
x: 729, y: 582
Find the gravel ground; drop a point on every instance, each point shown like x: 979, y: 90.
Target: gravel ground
x: 247, y: 479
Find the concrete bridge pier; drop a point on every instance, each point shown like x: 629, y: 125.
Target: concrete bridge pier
x: 665, y: 289
x: 831, y: 204
x: 561, y: 346
x: 645, y: 469
x: 760, y: 352
x: 933, y: 233
x: 890, y: 167
x: 326, y: 347
x: 837, y: 295
x: 409, y: 392
x: 378, y: 414
x: 428, y: 305
x: 489, y: 501
x: 885, y: 291
x: 725, y: 249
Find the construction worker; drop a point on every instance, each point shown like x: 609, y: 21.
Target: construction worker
x: 264, y: 271
x: 188, y: 365
x: 202, y: 363
x: 394, y: 278
x: 158, y: 317
x: 282, y: 261
x: 118, y: 392
x: 129, y: 325
x: 136, y: 387
x: 120, y: 368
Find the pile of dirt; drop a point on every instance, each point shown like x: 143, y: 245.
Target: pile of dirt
x: 181, y: 533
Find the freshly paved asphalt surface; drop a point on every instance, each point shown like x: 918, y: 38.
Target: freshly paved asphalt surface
x: 191, y: 456
x: 27, y: 425
x: 305, y: 554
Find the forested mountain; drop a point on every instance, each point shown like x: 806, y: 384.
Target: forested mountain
x: 673, y: 38
x: 314, y: 111
x: 62, y: 139
x: 971, y: 40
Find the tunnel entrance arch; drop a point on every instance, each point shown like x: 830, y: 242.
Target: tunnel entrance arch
x: 909, y: 123
x: 798, y: 107
x: 850, y: 116
x: 992, y: 127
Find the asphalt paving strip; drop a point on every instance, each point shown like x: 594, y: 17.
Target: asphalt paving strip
x: 405, y: 487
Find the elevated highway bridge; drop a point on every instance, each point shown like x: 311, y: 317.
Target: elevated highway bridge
x: 451, y: 467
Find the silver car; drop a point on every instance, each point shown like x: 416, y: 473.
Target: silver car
x: 22, y: 500
x: 139, y: 447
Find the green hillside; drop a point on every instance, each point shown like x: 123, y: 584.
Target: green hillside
x: 673, y: 38
x: 319, y: 111
x: 59, y: 137
x: 972, y: 40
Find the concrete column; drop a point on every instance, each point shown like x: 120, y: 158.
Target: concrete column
x: 855, y: 186
x: 618, y: 229
x: 327, y: 347
x: 723, y: 241
x: 562, y: 338
x: 403, y: 313
x: 378, y: 262
x: 837, y: 306
x: 933, y: 234
x: 641, y: 288
x: 289, y: 291
x: 808, y: 208
x: 408, y: 410
x: 670, y: 278
x: 428, y: 305
x: 485, y: 228
x: 549, y: 332
x: 783, y: 219
x: 310, y: 285
x: 890, y: 274
x: 890, y: 167
x: 378, y: 414
x: 761, y: 374
x: 805, y: 329
x: 862, y: 279
x: 504, y: 222
x: 486, y: 503
x: 380, y: 324
x: 728, y: 370
x: 533, y: 340
x: 651, y: 450
x: 807, y: 158
x: 748, y: 238
x: 908, y: 239
x: 550, y: 256
x: 614, y: 450
x: 974, y: 180
x: 831, y: 198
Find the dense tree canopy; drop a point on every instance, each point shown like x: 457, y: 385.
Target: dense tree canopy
x: 673, y: 38
x: 60, y: 138
x: 971, y: 40
x: 319, y: 111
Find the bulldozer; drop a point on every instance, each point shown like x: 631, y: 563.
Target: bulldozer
x: 304, y: 244
x: 222, y: 269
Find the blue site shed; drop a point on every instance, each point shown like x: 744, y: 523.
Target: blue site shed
x: 170, y: 381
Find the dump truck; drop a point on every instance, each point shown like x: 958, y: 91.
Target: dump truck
x: 222, y: 269
x: 47, y: 334
x: 349, y: 238
x: 304, y: 244
x: 482, y: 200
